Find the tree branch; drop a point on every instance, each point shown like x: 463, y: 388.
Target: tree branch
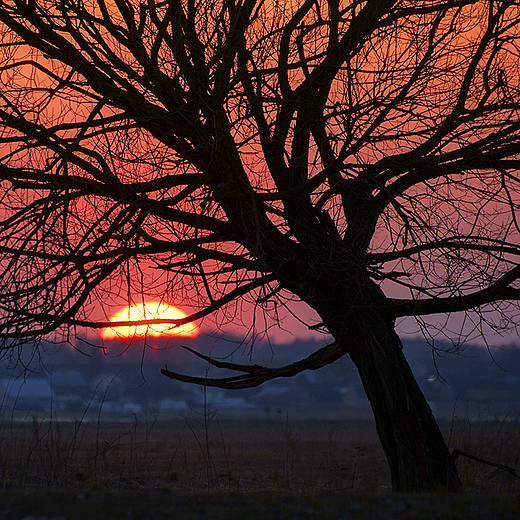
x: 499, y: 290
x: 257, y: 374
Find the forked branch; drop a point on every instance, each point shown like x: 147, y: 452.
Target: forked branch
x: 256, y: 374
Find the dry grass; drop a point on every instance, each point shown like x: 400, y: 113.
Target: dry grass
x: 192, y: 454
x: 202, y: 453
x: 203, y: 466
x: 496, y: 440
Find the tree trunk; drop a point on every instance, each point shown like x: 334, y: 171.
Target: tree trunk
x: 355, y: 312
x: 418, y: 457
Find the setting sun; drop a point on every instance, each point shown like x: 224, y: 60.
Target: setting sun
x: 152, y: 310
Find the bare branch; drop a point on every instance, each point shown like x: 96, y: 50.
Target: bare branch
x: 256, y: 374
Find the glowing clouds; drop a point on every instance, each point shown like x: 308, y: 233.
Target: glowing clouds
x: 148, y: 311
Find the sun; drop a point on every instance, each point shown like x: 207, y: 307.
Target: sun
x: 152, y: 310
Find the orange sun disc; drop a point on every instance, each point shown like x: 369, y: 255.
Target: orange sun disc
x: 149, y: 311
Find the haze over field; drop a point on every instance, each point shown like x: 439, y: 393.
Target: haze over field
x: 476, y: 383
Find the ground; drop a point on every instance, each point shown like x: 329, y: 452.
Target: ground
x: 209, y: 467
x: 65, y: 505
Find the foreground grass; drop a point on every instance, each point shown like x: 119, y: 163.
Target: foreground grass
x: 202, y: 467
x: 196, y: 454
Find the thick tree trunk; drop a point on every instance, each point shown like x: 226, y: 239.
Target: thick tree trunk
x: 357, y: 314
x: 417, y: 454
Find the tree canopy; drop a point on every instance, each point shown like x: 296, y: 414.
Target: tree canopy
x: 354, y: 155
x: 203, y: 138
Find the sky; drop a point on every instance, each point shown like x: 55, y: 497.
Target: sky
x: 293, y: 327
x: 292, y: 332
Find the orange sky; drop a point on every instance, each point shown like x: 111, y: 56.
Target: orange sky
x: 291, y: 328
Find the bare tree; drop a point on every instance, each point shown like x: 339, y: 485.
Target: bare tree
x: 360, y: 156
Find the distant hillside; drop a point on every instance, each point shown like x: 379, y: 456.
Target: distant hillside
x: 478, y: 383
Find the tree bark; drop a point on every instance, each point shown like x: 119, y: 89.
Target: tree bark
x: 417, y: 454
x: 356, y: 312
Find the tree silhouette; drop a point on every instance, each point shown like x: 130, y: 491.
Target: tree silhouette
x: 359, y: 156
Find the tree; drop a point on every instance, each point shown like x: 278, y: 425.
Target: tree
x: 360, y: 156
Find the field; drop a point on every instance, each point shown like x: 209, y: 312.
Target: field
x: 206, y: 466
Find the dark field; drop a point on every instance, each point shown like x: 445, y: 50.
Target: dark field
x: 206, y: 467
